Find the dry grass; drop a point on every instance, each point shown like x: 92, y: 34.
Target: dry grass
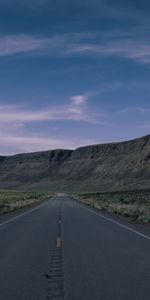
x: 13, y: 200
x: 133, y: 204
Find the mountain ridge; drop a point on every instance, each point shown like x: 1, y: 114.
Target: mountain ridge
x: 93, y: 145
x: 100, y: 167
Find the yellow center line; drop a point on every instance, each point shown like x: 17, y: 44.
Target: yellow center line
x: 58, y: 242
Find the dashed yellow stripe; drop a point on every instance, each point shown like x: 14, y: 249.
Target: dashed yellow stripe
x: 58, y: 242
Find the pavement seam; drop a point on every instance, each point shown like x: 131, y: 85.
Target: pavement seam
x: 55, y: 276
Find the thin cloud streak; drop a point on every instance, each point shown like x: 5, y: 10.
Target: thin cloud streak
x: 72, y: 44
x: 135, y: 50
x: 15, y: 134
x: 33, y: 143
x: 140, y: 110
x: 10, y: 45
x: 76, y: 110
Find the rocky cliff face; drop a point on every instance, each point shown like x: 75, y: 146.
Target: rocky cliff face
x: 116, y: 166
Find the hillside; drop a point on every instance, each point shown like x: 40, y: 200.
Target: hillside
x: 104, y: 167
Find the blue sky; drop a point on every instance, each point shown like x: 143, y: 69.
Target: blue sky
x: 73, y: 73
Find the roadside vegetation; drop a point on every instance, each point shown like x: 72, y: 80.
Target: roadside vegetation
x: 132, y: 204
x: 13, y: 200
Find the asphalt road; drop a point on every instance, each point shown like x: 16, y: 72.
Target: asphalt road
x: 62, y: 250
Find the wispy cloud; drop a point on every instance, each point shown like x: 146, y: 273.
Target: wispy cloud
x: 29, y: 143
x: 75, y: 110
x: 15, y: 122
x: 10, y: 45
x: 137, y: 49
x: 78, y: 100
x: 13, y: 133
x: 52, y: 45
x: 19, y: 44
x: 140, y: 110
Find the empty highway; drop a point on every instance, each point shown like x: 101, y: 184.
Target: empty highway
x: 63, y: 250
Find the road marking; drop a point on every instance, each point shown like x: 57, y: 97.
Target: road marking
x: 23, y: 214
x: 58, y: 242
x: 117, y: 223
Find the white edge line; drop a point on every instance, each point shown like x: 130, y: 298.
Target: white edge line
x: 20, y: 215
x: 117, y: 223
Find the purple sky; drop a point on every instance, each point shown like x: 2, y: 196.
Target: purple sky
x: 73, y: 73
